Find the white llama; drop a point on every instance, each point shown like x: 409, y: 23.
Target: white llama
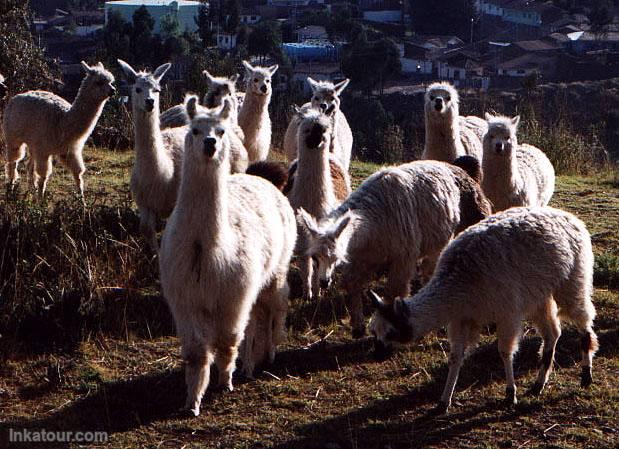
x: 228, y: 241
x: 449, y: 136
x: 313, y: 188
x: 219, y: 87
x: 3, y: 88
x: 158, y: 154
x: 514, y: 174
x: 325, y: 98
x: 396, y: 217
x: 254, y: 117
x: 50, y: 126
x: 521, y: 264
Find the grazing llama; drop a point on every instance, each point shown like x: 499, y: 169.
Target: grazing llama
x: 158, y: 154
x: 521, y: 264
x: 314, y: 189
x: 219, y: 87
x: 514, y: 174
x: 449, y: 136
x: 325, y: 98
x: 50, y: 126
x: 228, y: 242
x: 254, y: 117
x: 397, y: 216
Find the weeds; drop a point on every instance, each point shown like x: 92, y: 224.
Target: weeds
x: 606, y: 270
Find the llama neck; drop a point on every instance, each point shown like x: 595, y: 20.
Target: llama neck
x: 431, y: 307
x: 83, y: 114
x: 149, y: 146
x: 255, y: 108
x: 203, y: 198
x: 443, y: 138
x: 501, y: 176
x: 314, y: 170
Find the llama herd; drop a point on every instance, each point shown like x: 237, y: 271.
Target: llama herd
x: 470, y: 221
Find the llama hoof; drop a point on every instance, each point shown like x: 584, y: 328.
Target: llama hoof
x: 536, y: 389
x: 510, y: 397
x: 585, y: 377
x: 441, y: 408
x: 358, y: 332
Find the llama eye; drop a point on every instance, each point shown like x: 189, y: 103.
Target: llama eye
x: 316, y: 98
x: 157, y: 91
x: 195, y: 131
x: 138, y: 90
x: 256, y: 80
x: 447, y: 98
x: 267, y: 81
x: 432, y: 97
x: 220, y: 132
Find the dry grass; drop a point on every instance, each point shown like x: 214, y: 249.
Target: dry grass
x: 88, y: 344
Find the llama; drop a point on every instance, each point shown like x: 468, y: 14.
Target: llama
x: 514, y: 174
x: 326, y: 98
x: 397, y: 216
x: 228, y: 242
x: 48, y: 126
x: 313, y: 188
x: 524, y: 263
x: 219, y: 87
x: 448, y: 135
x: 254, y: 117
x: 158, y: 154
x: 3, y: 88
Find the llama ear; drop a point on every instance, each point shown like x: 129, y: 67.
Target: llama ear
x: 100, y: 65
x: 86, y: 67
x: 516, y: 121
x: 377, y: 301
x: 209, y: 77
x: 295, y: 108
x: 273, y: 69
x: 248, y: 66
x: 307, y: 222
x: 234, y: 78
x: 130, y: 74
x: 313, y: 83
x: 226, y: 109
x: 341, y: 225
x: 161, y: 70
x: 488, y: 116
x: 191, y: 106
x: 339, y: 87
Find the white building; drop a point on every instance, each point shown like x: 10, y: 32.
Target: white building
x: 184, y: 10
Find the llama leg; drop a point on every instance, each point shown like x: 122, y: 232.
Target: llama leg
x: 198, y: 361
x: 75, y: 163
x: 42, y: 168
x: 357, y: 321
x: 280, y: 310
x: 249, y: 342
x: 13, y: 156
x: 456, y: 359
x: 588, y: 346
x: 550, y: 328
x: 399, y: 281
x: 225, y: 358
x: 148, y: 225
x: 306, y: 266
x: 508, y: 334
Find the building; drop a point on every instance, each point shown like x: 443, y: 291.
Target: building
x: 226, y: 41
x: 311, y: 32
x: 312, y: 50
x: 381, y: 11
x: 185, y: 10
x: 250, y: 16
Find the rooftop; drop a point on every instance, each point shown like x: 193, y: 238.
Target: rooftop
x: 153, y: 2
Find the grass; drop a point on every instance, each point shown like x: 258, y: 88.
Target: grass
x: 88, y: 344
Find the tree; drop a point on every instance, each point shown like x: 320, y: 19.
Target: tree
x: 142, y: 36
x: 443, y: 17
x: 170, y: 26
x: 21, y: 60
x: 265, y: 40
x: 205, y: 24
x: 600, y: 16
x: 233, y: 16
x: 371, y: 63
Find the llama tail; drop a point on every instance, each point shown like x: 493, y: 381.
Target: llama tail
x: 274, y: 172
x: 470, y: 164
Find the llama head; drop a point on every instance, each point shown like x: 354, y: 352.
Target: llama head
x: 145, y: 86
x: 500, y: 139
x: 3, y: 88
x: 326, y: 244
x: 99, y: 83
x: 219, y: 87
x: 326, y: 95
x: 441, y: 101
x: 207, y: 140
x: 314, y: 130
x: 258, y: 79
x: 390, y: 323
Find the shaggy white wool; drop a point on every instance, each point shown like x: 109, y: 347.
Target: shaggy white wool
x: 524, y: 263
